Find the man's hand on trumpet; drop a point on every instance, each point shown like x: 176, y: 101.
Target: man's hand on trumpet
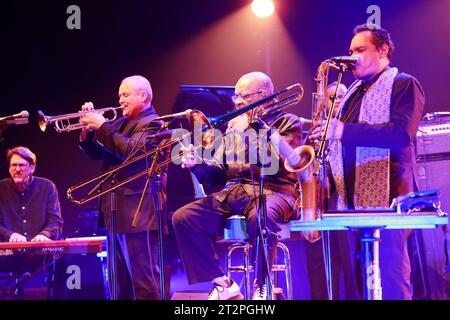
x: 90, y: 120
x: 334, y: 132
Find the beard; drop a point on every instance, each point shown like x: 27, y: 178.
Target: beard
x: 20, y: 180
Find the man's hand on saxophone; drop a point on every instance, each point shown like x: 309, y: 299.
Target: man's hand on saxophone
x: 334, y: 132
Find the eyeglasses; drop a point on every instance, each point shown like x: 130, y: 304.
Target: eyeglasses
x: 244, y: 97
x: 19, y: 165
x: 340, y: 97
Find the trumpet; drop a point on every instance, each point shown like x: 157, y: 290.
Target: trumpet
x: 63, y: 122
x: 272, y: 103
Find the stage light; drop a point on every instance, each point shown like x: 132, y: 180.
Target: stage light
x: 263, y: 8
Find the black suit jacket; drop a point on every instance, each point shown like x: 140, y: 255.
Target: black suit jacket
x: 113, y: 143
x: 407, y: 104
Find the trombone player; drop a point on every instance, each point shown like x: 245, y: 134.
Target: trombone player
x: 112, y: 142
x: 197, y: 223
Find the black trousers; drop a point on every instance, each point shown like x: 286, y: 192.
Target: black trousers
x: 137, y: 264
x: 343, y: 254
x: 197, y: 225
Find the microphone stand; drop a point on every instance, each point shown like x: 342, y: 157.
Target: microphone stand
x: 112, y: 245
x: 157, y: 170
x: 322, y: 195
x: 262, y: 232
x: 3, y: 126
x: 159, y: 213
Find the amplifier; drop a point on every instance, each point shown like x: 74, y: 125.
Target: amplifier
x: 433, y: 172
x: 433, y: 136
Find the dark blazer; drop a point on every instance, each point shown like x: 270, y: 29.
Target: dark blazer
x: 113, y: 143
x: 407, y: 104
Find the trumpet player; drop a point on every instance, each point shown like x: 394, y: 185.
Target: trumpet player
x: 372, y: 152
x: 112, y: 142
x: 197, y: 223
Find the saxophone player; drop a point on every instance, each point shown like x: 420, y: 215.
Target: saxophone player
x: 372, y: 151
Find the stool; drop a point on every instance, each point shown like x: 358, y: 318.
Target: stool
x: 235, y: 230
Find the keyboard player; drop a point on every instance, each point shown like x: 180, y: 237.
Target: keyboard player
x: 29, y: 209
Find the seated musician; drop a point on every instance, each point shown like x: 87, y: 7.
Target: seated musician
x: 197, y: 223
x: 29, y: 208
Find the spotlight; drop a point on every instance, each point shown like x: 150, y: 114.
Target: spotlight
x: 263, y: 8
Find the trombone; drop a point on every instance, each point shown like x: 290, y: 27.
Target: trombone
x: 63, y: 122
x: 273, y: 103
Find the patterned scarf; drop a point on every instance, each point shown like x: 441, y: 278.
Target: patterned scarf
x: 372, y: 164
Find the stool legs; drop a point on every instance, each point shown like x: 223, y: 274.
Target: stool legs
x: 287, y: 269
x: 247, y: 268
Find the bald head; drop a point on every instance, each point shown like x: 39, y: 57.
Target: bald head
x: 135, y: 95
x: 140, y: 83
x: 254, y: 82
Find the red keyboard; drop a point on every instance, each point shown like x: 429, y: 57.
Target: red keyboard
x: 51, y: 247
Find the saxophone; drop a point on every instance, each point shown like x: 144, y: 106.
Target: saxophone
x: 311, y: 202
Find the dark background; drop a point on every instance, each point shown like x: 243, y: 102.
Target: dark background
x: 45, y: 66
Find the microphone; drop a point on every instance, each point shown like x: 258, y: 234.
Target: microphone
x: 355, y: 59
x: 22, y: 114
x: 176, y: 115
x: 164, y: 134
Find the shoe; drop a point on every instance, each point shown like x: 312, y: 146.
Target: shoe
x: 233, y: 292
x: 259, y: 292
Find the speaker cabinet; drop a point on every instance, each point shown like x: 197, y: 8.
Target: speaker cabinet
x: 433, y: 244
